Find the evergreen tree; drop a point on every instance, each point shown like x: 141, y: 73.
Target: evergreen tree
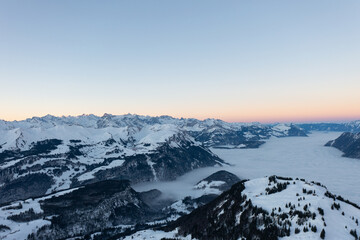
x: 322, y: 234
x: 354, y: 233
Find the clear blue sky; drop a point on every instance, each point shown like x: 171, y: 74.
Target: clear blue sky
x: 235, y: 60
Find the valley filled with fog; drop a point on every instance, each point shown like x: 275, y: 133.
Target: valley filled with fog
x: 302, y: 157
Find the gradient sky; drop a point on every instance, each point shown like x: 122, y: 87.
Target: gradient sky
x: 282, y: 60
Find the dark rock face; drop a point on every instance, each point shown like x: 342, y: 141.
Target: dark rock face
x: 155, y: 200
x: 93, y: 208
x: 32, y: 185
x: 228, y: 178
x: 192, y: 203
x: 150, y: 195
x: 349, y: 143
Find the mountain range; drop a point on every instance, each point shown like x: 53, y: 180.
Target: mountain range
x: 43, y: 155
x: 72, y: 177
x: 353, y: 126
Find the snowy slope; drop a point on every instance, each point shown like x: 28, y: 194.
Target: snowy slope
x: 267, y: 208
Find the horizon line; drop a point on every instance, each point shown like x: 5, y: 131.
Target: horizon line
x: 301, y: 120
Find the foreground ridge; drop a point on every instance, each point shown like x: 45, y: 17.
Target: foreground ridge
x: 267, y: 208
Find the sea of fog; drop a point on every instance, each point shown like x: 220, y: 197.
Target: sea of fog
x: 303, y: 157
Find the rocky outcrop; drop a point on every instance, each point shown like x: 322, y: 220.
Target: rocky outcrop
x: 348, y: 143
x: 221, y: 180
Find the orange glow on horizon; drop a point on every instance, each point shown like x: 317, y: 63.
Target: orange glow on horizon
x: 265, y: 117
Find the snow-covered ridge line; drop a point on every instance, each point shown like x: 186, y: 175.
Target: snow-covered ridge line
x: 268, y: 208
x: 109, y: 120
x: 144, y: 129
x: 93, y: 121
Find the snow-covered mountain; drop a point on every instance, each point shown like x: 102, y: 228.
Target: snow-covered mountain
x: 154, y: 152
x: 43, y: 155
x: 349, y: 143
x: 266, y: 208
x: 19, y: 135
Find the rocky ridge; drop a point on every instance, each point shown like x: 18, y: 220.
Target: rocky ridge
x: 348, y: 143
